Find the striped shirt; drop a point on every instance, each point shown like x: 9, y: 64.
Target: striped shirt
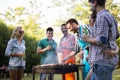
x: 102, y: 28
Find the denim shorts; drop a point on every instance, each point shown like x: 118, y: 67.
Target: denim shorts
x: 101, y: 72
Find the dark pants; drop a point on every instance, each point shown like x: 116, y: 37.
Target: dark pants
x: 43, y: 76
x: 16, y: 74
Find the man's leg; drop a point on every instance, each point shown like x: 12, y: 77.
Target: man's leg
x: 102, y: 72
x: 63, y: 76
x: 50, y: 76
x: 43, y: 76
x: 70, y: 76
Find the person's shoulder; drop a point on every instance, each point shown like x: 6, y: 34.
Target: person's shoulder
x: 105, y: 13
x: 80, y: 25
x: 83, y: 26
x: 12, y: 40
x: 61, y: 38
x: 42, y: 40
x: 108, y: 16
x: 72, y: 35
x: 54, y: 41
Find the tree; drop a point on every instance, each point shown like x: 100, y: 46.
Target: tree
x: 4, y: 37
x: 32, y: 19
x: 33, y: 32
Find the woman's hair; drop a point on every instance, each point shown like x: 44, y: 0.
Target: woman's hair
x: 63, y: 24
x: 16, y: 32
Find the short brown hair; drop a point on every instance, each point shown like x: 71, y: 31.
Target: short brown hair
x: 72, y: 20
x: 49, y: 29
x: 63, y: 24
x: 99, y: 2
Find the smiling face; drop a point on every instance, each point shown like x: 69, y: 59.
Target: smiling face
x: 49, y: 34
x: 18, y: 33
x: 72, y: 27
x: 21, y: 32
x: 64, y: 30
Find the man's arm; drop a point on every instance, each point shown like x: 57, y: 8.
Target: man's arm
x: 60, y: 57
x: 111, y: 53
x: 101, y: 33
x: 68, y: 56
x: 40, y: 51
x: 92, y: 40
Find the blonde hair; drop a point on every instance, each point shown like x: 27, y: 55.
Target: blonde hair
x: 16, y: 33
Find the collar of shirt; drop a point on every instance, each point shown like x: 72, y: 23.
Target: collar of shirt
x: 102, y: 11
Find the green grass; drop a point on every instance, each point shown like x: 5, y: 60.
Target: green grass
x: 116, y: 76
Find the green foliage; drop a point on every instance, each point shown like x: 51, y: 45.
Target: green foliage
x: 33, y: 33
x: 33, y: 30
x: 114, y: 9
x: 118, y: 43
x: 15, y: 16
x: 31, y: 45
x: 31, y: 56
x: 81, y: 13
x: 4, y: 37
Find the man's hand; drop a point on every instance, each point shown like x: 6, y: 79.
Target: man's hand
x: 86, y: 38
x: 64, y: 60
x: 40, y: 50
x: 22, y: 55
x: 48, y: 47
x: 87, y: 58
x: 81, y: 54
x: 111, y: 53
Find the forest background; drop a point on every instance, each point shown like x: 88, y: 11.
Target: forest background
x: 39, y: 15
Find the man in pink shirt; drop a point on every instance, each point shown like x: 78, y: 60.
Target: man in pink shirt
x: 66, y: 46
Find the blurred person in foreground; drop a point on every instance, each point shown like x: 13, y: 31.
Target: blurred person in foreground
x: 104, y: 35
x: 112, y: 52
x: 16, y: 51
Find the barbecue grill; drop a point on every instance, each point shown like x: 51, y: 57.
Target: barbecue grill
x: 56, y: 69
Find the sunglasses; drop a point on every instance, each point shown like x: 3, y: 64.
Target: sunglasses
x: 21, y: 32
